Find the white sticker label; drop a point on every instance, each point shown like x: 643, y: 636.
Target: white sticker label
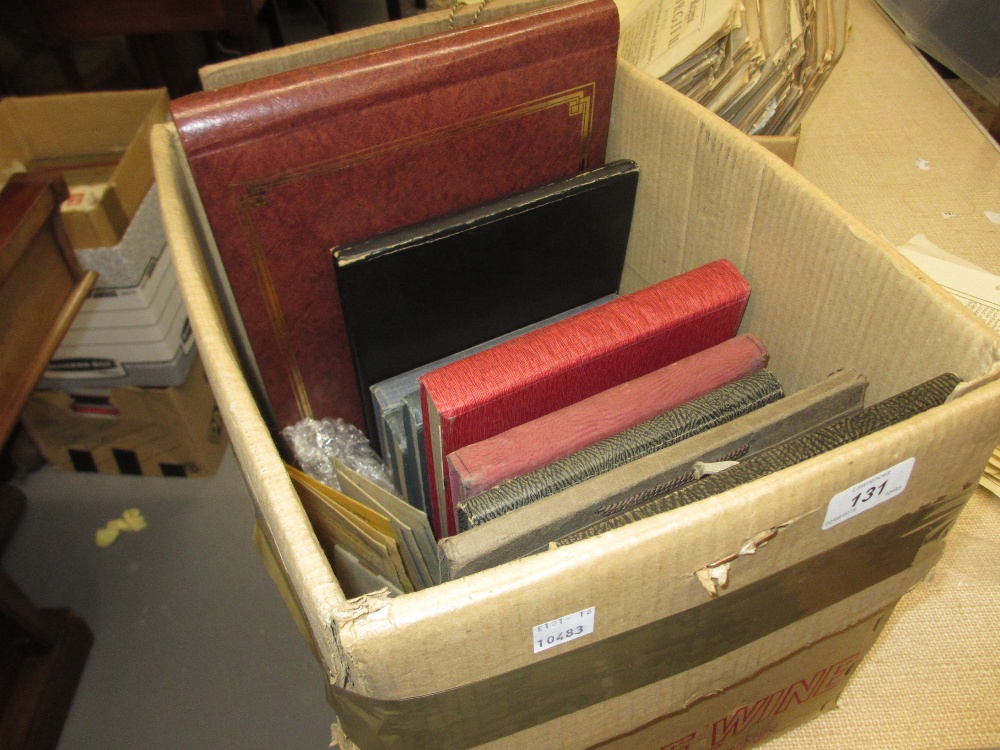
x: 563, y: 629
x: 867, y: 494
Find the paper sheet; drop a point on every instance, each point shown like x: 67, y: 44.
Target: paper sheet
x: 975, y: 288
x: 658, y: 35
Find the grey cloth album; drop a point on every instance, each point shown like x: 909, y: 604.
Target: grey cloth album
x: 532, y: 527
x: 672, y: 426
x: 888, y: 412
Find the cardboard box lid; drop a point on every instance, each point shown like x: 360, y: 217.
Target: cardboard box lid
x: 95, y: 125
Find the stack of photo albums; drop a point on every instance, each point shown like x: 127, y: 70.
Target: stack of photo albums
x: 425, y: 240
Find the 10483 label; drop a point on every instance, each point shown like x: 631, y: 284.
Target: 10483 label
x: 867, y: 494
x: 563, y: 629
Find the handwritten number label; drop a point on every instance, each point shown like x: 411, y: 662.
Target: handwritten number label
x: 867, y: 494
x: 563, y: 629
x: 870, y: 492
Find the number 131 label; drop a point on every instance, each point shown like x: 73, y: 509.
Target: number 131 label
x: 867, y: 494
x: 563, y: 629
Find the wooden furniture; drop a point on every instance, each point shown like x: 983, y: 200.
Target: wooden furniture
x: 147, y: 27
x: 42, y: 651
x: 41, y: 287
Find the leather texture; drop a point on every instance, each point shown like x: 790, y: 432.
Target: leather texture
x: 888, y: 412
x: 291, y: 165
x: 717, y: 407
x: 483, y: 395
x: 428, y: 291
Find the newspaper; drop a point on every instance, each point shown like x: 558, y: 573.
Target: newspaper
x: 756, y: 63
x: 975, y: 288
x: 658, y: 35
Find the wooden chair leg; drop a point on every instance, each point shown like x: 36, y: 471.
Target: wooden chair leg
x: 42, y: 657
x: 995, y: 125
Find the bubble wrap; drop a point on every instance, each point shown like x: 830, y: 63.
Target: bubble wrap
x: 315, y: 442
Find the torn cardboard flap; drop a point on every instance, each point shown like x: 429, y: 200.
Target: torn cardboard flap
x: 361, y: 606
x: 715, y: 576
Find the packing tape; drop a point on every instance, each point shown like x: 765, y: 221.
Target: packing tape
x: 479, y: 712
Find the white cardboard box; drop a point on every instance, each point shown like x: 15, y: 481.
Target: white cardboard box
x: 665, y: 667
x: 125, y: 267
x: 127, y: 305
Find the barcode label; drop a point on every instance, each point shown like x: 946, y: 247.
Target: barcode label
x: 563, y: 629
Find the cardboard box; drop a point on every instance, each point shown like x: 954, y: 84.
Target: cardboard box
x: 102, y: 373
x: 125, y: 266
x: 136, y: 299
x: 99, y: 142
x: 141, y: 305
x: 668, y: 665
x: 175, y: 432
x: 167, y: 310
x: 95, y: 355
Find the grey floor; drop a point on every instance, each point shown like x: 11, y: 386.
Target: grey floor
x: 193, y: 647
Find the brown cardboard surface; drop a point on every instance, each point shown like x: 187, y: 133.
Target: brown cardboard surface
x: 158, y: 431
x: 664, y: 653
x: 827, y: 294
x: 930, y: 682
x: 782, y: 146
x: 96, y: 138
x: 782, y: 695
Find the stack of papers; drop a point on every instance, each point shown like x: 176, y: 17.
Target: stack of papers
x: 975, y: 288
x: 756, y: 63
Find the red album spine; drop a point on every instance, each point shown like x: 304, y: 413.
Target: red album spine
x: 529, y: 446
x: 547, y: 369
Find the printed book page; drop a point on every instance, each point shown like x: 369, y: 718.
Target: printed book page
x: 978, y: 290
x: 973, y: 287
x: 658, y: 35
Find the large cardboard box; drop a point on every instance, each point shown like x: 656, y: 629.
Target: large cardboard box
x: 171, y: 431
x: 99, y: 142
x: 668, y: 664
